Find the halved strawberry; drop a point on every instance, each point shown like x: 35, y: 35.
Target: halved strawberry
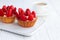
x: 21, y: 11
x: 23, y: 18
x: 30, y: 17
x: 1, y: 12
x: 28, y: 12
x: 33, y: 13
x: 9, y: 13
x: 4, y: 8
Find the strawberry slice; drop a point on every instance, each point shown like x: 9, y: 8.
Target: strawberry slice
x: 30, y: 17
x: 1, y: 12
x: 4, y: 8
x: 23, y: 18
x: 9, y: 13
x: 21, y: 11
x: 28, y: 12
x: 34, y: 14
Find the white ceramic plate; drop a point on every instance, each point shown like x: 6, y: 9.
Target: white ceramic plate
x: 16, y: 29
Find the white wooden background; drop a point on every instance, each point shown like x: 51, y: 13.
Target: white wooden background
x: 49, y: 31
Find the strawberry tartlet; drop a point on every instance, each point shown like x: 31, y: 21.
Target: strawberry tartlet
x: 9, y: 16
x: 26, y: 18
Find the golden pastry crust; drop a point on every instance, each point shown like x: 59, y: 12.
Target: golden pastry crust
x: 26, y: 24
x: 0, y: 18
x: 8, y: 19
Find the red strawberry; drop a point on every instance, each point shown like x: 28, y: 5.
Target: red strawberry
x: 33, y: 13
x: 9, y: 13
x: 11, y: 7
x: 14, y: 10
x: 17, y: 15
x: 1, y: 12
x: 28, y: 12
x: 4, y: 8
x: 30, y: 17
x: 23, y: 17
x: 7, y: 7
x: 21, y: 11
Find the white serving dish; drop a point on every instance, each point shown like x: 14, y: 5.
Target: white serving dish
x: 16, y: 29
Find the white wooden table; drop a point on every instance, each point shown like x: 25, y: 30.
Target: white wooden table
x: 49, y: 31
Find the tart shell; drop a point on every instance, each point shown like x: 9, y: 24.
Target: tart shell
x: 8, y: 19
x: 26, y: 24
x: 0, y: 18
